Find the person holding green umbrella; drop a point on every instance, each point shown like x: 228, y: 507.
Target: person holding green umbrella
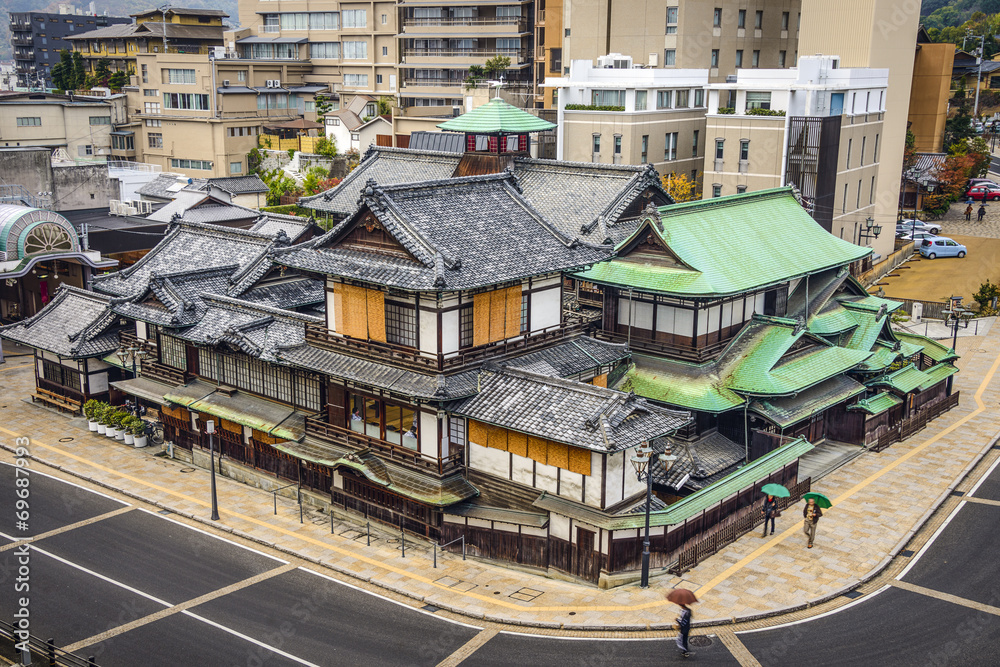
x: 811, y: 514
x: 771, y: 512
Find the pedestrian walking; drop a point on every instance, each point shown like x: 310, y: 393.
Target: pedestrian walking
x: 684, y: 627
x: 968, y: 212
x: 770, y: 513
x: 982, y: 212
x: 811, y: 514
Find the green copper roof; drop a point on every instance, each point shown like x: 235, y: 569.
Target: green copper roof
x: 835, y: 320
x: 729, y: 245
x: 496, y: 117
x: 883, y: 356
x: 936, y: 374
x: 905, y: 380
x: 877, y: 404
x: 932, y: 348
x: 788, y: 410
x: 872, y: 303
x: 869, y: 327
x: 685, y: 385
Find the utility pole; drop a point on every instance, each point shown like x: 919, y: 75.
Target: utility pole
x: 979, y: 66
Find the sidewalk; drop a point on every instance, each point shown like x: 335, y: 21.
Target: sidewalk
x: 879, y: 501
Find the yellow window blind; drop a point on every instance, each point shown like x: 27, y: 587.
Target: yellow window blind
x: 477, y: 432
x: 497, y: 437
x: 513, y: 315
x: 517, y: 443
x: 579, y: 460
x: 498, y: 311
x: 481, y: 319
x: 376, y: 314
x: 558, y: 454
x: 537, y: 449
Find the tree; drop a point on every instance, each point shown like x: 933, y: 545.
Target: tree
x: 62, y: 72
x: 102, y: 72
x: 385, y: 104
x: 118, y: 80
x: 278, y: 184
x: 681, y: 187
x: 79, y: 77
x: 323, y: 106
x: 326, y: 147
x: 493, y: 69
x: 959, y: 127
x: 910, y: 151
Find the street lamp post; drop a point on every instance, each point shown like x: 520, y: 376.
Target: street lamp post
x: 642, y: 462
x: 953, y: 316
x: 132, y: 353
x: 210, y: 429
x: 869, y: 231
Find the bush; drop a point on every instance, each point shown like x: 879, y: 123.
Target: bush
x: 326, y: 147
x: 118, y: 417
x: 135, y: 426
x: 90, y: 409
x: 984, y: 297
x: 593, y: 107
x: 727, y: 111
x: 287, y: 209
x: 765, y: 112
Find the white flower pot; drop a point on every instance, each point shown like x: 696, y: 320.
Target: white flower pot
x: 140, y: 441
x: 102, y: 429
x: 93, y: 426
x: 110, y: 432
x: 119, y: 434
x: 129, y: 439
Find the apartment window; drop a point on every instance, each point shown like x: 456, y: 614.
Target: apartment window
x: 720, y: 145
x: 715, y: 58
x: 717, y: 17
x: 640, y: 100
x: 608, y: 98
x: 85, y: 150
x: 566, y: 32
x: 597, y: 144
x: 188, y: 101
x: 180, y: 76
x: 154, y: 122
x: 155, y: 139
x: 716, y: 190
x: 378, y: 78
x: 354, y: 18
x: 740, y: 189
x: 310, y: 105
x: 744, y: 149
x: 356, y: 80
x: 850, y: 142
x: 758, y: 100
x: 871, y: 192
x: 385, y: 50
x: 875, y: 150
x: 755, y: 59
x: 355, y: 50
x: 843, y: 206
x: 681, y: 99
x: 645, y: 148
x: 694, y: 143
x: 784, y: 20
x: 385, y: 19
x: 26, y: 121
x: 741, y: 20
x: 864, y: 140
x: 671, y: 20
x: 664, y: 99
x: 150, y: 92
x: 324, y: 50
x: 241, y: 75
x: 355, y: 136
x: 618, y: 144
x: 669, y: 57
x: 465, y: 328
x: 781, y: 58
x: 758, y: 20
x: 190, y: 164
x: 739, y: 57
x: 857, y: 204
x: 145, y: 74
x: 401, y: 324
x: 670, y: 146
x: 699, y: 98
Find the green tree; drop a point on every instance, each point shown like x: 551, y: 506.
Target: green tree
x: 79, y: 77
x: 958, y: 128
x: 62, y: 72
x: 118, y: 80
x: 102, y: 72
x: 326, y: 147
x: 384, y: 105
x: 496, y: 66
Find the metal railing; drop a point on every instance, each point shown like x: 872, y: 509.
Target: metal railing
x: 44, y: 649
x: 274, y: 494
x: 460, y: 538
x: 519, y: 54
x: 500, y: 20
x: 13, y: 193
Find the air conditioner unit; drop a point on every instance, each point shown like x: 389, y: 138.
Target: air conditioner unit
x: 274, y: 83
x: 614, y: 61
x: 225, y: 83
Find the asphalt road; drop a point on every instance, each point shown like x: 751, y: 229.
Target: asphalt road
x: 119, y: 569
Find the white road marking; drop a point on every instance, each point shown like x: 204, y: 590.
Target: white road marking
x: 589, y: 639
x: 96, y: 493
x: 982, y: 479
x: 927, y: 546
x: 101, y: 576
x: 218, y: 537
x: 273, y: 649
x: 864, y: 598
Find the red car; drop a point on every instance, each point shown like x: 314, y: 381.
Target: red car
x: 983, y: 191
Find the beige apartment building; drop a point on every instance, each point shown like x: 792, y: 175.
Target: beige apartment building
x: 80, y: 125
x: 822, y: 131
x: 177, y: 121
x: 722, y: 35
x: 631, y: 116
x: 872, y: 33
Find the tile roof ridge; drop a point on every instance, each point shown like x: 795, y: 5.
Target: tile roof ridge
x: 566, y: 383
x: 389, y: 214
x: 589, y: 166
x: 221, y: 231
x: 570, y: 242
x: 726, y: 201
x: 233, y: 303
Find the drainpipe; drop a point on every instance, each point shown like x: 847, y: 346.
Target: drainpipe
x: 746, y: 429
x: 629, y: 338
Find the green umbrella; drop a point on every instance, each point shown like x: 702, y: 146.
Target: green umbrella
x: 820, y: 499
x: 776, y: 490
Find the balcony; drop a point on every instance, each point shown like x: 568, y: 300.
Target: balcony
x: 344, y: 437
x: 413, y: 86
x: 455, y: 27
x: 462, y: 57
x: 540, y: 17
x: 696, y: 354
x: 24, y: 55
x: 22, y: 41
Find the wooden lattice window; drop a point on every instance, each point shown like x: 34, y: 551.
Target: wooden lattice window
x: 401, y: 324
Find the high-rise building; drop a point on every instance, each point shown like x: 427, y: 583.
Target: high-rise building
x: 872, y: 33
x: 38, y: 37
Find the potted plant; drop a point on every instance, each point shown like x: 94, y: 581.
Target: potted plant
x: 121, y: 417
x: 138, y: 432
x: 127, y: 430
x: 90, y: 412
x: 101, y: 415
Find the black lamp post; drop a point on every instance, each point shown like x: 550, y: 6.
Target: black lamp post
x: 641, y: 461
x: 869, y: 231
x: 132, y: 353
x: 210, y: 429
x: 953, y: 316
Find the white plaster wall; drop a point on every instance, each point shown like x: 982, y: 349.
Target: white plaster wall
x: 479, y: 523
x: 97, y: 365
x: 493, y: 461
x: 595, y: 481
x: 534, y: 532
x: 545, y: 477
x: 449, y: 332
x: 450, y: 518
x: 571, y: 485
x: 428, y: 331
x: 506, y: 527
x: 632, y: 484
x: 613, y: 493
x: 338, y: 481
x: 545, y: 309
x: 331, y: 310
x: 140, y: 330
x: 98, y: 383
x: 559, y: 526
x: 522, y: 469
x: 428, y: 434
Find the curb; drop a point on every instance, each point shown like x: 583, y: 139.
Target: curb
x: 551, y: 625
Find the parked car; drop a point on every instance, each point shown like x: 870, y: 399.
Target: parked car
x: 941, y: 246
x: 910, y: 225
x: 918, y: 237
x: 984, y: 191
x: 977, y: 181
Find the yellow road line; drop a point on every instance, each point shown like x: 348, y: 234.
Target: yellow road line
x: 756, y: 553
x: 947, y: 597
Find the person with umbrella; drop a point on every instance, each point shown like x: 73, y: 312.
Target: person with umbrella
x: 771, y: 512
x: 683, y: 598
x: 811, y: 514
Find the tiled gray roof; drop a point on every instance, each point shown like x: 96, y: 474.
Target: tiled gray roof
x: 75, y: 324
x: 381, y: 376
x: 237, y: 185
x: 175, y: 299
x: 117, y: 30
x: 158, y: 186
x: 293, y: 225
x: 445, y: 142
x: 209, y: 214
x: 256, y: 330
x: 187, y: 245
x: 701, y: 462
x: 571, y: 358
x: 289, y: 294
x: 575, y: 413
x: 454, y: 228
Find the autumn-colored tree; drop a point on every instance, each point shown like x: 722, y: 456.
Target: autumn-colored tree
x: 681, y: 187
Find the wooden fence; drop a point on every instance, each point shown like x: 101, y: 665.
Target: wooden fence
x: 881, y: 269
x: 912, y: 424
x: 274, y: 142
x: 732, y: 528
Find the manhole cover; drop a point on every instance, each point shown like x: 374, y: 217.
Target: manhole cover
x: 165, y: 512
x: 187, y: 469
x: 65, y: 439
x: 700, y: 641
x: 853, y: 595
x: 431, y: 608
x: 906, y: 554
